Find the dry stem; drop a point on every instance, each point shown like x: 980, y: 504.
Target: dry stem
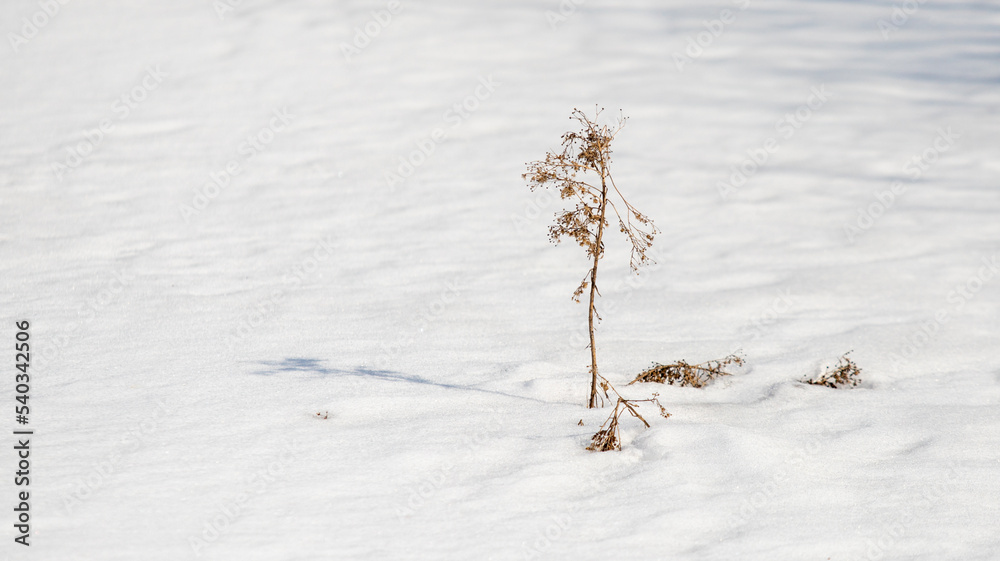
x: 586, y: 153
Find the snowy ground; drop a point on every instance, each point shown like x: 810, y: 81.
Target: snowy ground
x: 185, y: 334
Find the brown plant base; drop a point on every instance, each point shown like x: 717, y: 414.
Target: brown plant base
x: 845, y: 375
x: 681, y: 373
x: 607, y: 437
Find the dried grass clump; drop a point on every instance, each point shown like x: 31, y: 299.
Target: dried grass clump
x: 681, y: 373
x: 845, y: 375
x: 607, y: 437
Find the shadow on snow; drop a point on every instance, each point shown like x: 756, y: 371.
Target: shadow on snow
x: 317, y: 366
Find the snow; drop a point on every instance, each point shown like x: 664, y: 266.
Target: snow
x: 185, y: 335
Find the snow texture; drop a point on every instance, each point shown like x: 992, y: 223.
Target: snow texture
x: 222, y: 218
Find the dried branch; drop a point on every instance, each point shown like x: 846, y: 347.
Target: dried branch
x: 607, y: 437
x: 845, y: 374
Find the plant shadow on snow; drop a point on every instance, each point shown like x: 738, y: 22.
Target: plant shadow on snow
x: 318, y: 367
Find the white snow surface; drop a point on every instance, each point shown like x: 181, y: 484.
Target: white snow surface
x: 185, y: 335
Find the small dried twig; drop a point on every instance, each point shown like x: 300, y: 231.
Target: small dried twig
x: 607, y: 438
x: 681, y: 373
x: 845, y: 374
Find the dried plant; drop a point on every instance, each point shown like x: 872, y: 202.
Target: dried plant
x: 681, y: 373
x: 845, y: 374
x: 581, y: 172
x: 607, y: 437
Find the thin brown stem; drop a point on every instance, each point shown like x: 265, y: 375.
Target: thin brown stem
x: 593, y: 292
